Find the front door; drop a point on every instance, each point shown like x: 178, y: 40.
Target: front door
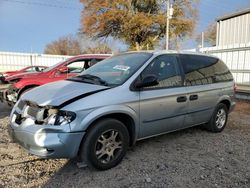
x: 162, y: 107
x: 72, y: 69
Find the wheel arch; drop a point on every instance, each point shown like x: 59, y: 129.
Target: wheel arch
x: 226, y: 102
x: 121, y: 113
x: 126, y: 119
x: 225, y: 99
x: 25, y: 88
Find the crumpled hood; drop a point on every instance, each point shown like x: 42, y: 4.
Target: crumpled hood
x: 23, y: 75
x: 60, y: 93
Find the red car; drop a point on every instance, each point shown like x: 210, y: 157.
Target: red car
x: 28, y: 69
x: 69, y: 68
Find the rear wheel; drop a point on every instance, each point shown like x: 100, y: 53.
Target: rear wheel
x: 105, y: 144
x: 219, y: 119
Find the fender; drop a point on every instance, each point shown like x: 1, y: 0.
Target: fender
x: 109, y: 110
x: 27, y: 82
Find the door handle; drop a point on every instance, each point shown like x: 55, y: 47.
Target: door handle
x: 193, y: 97
x: 181, y: 99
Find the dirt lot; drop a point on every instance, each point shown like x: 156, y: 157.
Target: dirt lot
x: 188, y: 158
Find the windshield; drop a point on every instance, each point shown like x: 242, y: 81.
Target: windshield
x: 115, y: 70
x: 53, y: 66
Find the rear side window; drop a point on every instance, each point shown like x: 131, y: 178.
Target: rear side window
x: 200, y: 70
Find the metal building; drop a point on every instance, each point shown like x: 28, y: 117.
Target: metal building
x: 233, y: 47
x: 233, y: 28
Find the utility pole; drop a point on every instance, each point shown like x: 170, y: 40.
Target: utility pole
x: 202, y: 39
x: 170, y: 12
x: 31, y: 58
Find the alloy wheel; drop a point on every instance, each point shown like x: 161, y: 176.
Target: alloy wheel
x: 220, y: 118
x: 108, y: 146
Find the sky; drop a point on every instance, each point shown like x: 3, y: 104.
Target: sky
x: 28, y: 25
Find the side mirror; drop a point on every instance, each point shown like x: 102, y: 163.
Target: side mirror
x: 63, y: 69
x: 149, y: 80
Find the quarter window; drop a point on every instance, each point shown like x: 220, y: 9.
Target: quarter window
x: 201, y: 70
x: 165, y: 68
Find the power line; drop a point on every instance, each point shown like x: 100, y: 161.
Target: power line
x: 68, y: 2
x: 42, y: 4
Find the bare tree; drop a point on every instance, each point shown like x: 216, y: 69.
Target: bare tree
x: 98, y: 49
x: 209, y: 35
x: 67, y: 45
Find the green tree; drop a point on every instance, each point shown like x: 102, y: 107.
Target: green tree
x: 139, y: 23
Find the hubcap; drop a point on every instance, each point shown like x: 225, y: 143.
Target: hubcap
x: 108, y: 146
x: 220, y: 118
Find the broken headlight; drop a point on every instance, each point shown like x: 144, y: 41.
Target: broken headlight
x: 58, y: 117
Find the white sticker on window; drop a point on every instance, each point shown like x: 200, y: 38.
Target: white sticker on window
x: 121, y: 67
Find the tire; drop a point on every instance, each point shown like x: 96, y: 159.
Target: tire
x: 105, y: 144
x: 218, y: 120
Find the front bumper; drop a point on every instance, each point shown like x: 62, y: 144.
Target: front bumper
x: 8, y: 95
x: 2, y: 95
x: 2, y: 80
x: 46, y: 141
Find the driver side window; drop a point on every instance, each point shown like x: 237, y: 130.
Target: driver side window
x: 165, y: 68
x: 76, y: 67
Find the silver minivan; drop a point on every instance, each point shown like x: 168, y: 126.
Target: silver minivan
x: 128, y: 97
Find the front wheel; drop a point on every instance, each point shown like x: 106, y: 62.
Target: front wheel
x: 219, y: 119
x: 105, y: 144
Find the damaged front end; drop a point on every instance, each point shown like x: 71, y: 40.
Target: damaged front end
x: 12, y: 95
x: 44, y: 131
x: 47, y: 115
x: 7, y: 94
x: 2, y: 79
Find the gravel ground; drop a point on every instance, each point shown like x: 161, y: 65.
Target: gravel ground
x: 188, y: 158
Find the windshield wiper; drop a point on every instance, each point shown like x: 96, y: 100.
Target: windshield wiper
x: 88, y: 78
